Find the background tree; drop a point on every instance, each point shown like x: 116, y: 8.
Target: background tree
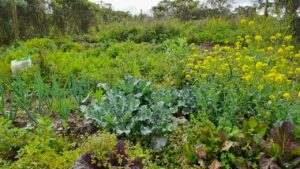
x: 161, y: 9
x: 6, y: 22
x: 15, y: 18
x: 290, y: 10
x: 9, y: 19
x: 247, y: 11
x: 74, y: 16
x: 265, y: 6
x: 34, y: 18
x: 181, y: 9
x: 191, y: 9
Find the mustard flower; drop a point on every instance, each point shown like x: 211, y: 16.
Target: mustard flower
x: 251, y: 23
x: 260, y: 65
x: 204, y: 75
x: 188, y: 76
x: 273, y: 38
x: 286, y: 95
x: 258, y: 38
x: 247, y: 77
x: 260, y: 50
x: 190, y: 65
x: 248, y: 41
x: 270, y: 48
x: 260, y: 87
x: 272, y: 97
x: 278, y: 35
x: 245, y: 68
x: 191, y: 59
x: 288, y: 38
x: 289, y: 48
x: 280, y: 50
x: 243, y: 21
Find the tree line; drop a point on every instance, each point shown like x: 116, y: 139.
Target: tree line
x: 24, y: 19
x: 200, y: 9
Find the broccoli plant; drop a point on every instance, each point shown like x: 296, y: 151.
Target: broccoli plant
x: 128, y: 109
x: 134, y: 108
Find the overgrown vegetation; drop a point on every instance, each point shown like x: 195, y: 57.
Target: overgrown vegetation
x: 169, y: 91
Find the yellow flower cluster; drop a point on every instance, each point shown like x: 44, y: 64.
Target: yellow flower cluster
x: 287, y: 96
x: 248, y: 23
x: 265, y: 65
x: 275, y: 78
x: 288, y: 38
x: 258, y: 38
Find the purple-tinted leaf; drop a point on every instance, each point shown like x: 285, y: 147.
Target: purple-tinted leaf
x: 264, y: 144
x: 222, y: 135
x: 137, y: 164
x: 268, y: 163
x: 290, y: 164
x: 228, y: 145
x: 85, y: 161
x: 215, y: 165
x: 120, y: 157
x: 201, y: 153
x: 284, y: 136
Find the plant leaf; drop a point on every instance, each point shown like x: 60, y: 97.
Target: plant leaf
x: 228, y: 145
x: 252, y: 123
x: 145, y: 130
x: 159, y: 143
x: 215, y: 165
x: 283, y: 135
x: 190, y: 154
x: 268, y: 163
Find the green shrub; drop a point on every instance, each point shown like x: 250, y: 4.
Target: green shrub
x: 102, y: 150
x: 217, y: 31
x: 158, y: 64
x: 45, y: 150
x: 40, y: 44
x: 100, y: 145
x: 11, y: 140
x: 70, y: 46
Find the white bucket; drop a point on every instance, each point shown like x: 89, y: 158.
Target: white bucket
x: 20, y: 66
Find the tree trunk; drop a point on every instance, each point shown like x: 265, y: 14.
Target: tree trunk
x: 15, y: 19
x: 266, y: 8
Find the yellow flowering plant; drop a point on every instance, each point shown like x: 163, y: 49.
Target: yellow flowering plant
x: 264, y: 72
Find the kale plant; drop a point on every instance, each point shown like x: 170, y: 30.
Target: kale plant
x: 134, y: 108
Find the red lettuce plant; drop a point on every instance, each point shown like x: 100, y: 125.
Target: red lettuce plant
x: 282, y: 150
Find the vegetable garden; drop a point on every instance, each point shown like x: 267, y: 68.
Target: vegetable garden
x: 223, y: 93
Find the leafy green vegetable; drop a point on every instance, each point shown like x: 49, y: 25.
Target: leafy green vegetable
x: 128, y: 110
x: 282, y: 151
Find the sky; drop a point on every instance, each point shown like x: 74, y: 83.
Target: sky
x: 135, y: 6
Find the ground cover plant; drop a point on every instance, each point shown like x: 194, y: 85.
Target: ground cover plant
x: 214, y: 93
